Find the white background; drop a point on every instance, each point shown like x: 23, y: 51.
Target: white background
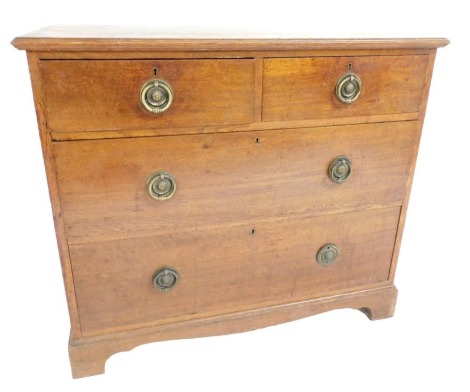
x: 424, y: 347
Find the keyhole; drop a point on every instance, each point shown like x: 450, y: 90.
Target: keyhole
x: 257, y: 140
x: 253, y: 231
x: 155, y: 70
x: 349, y: 67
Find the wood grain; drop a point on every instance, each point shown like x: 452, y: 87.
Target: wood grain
x: 225, y: 178
x: 299, y: 89
x: 259, y: 67
x: 422, y: 112
x: 256, y: 126
x: 88, y: 356
x: 226, y: 270
x: 105, y: 95
x: 49, y: 163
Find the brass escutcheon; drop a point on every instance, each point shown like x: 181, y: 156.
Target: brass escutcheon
x: 156, y: 95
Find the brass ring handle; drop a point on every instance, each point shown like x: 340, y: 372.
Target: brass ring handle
x: 165, y: 279
x: 156, y: 95
x: 348, y: 87
x: 328, y: 254
x: 340, y: 169
x: 161, y: 185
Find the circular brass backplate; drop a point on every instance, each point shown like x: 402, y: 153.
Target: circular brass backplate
x: 348, y: 87
x: 328, y: 254
x: 165, y: 279
x: 161, y: 185
x: 340, y: 169
x: 156, y: 95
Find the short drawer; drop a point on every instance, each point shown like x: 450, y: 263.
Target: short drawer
x: 223, y: 178
x: 96, y: 95
x: 230, y: 269
x: 305, y: 88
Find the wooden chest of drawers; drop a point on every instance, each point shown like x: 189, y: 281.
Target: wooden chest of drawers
x: 205, y: 186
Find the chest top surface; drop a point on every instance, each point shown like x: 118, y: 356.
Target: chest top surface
x: 130, y: 38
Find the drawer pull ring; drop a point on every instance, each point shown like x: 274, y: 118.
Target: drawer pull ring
x: 161, y: 185
x: 348, y: 87
x: 340, y: 169
x: 328, y: 254
x: 156, y: 95
x: 165, y: 279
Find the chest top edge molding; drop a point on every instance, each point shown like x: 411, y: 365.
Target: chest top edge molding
x: 133, y: 38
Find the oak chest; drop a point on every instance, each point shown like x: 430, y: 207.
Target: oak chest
x: 212, y: 185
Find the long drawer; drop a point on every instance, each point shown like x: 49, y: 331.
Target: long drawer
x: 229, y: 269
x: 223, y: 178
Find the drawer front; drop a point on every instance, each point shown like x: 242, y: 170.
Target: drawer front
x: 224, y: 178
x: 304, y: 88
x: 229, y: 269
x: 97, y: 95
